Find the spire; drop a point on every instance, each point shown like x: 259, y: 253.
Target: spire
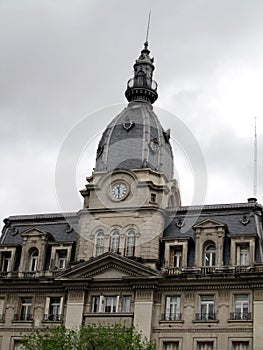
x: 142, y: 87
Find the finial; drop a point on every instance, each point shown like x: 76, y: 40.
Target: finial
x: 147, y: 31
x: 255, y: 161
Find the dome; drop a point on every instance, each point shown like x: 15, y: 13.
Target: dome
x: 135, y: 139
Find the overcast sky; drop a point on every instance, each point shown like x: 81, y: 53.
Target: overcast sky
x: 61, y: 60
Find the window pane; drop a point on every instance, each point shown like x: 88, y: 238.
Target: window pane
x: 210, y: 255
x: 171, y: 345
x: 99, y: 244
x: 205, y: 345
x: 110, y: 304
x: 95, y: 304
x: 241, y: 306
x: 26, y: 304
x: 130, y: 243
x: 240, y: 345
x: 115, y: 239
x: 172, y: 310
x: 126, y: 304
x: 54, y: 306
x: 176, y: 256
x: 207, y: 307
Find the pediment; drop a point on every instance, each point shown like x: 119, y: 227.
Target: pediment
x: 108, y: 266
x: 208, y: 223
x: 34, y: 232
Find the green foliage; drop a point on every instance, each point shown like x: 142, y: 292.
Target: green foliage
x: 90, y: 337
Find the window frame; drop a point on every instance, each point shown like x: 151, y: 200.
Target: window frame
x: 130, y: 243
x: 168, y: 345
x: 99, y: 243
x: 204, y: 305
x: 59, y: 259
x: 115, y: 241
x: 242, y: 314
x: 209, y: 259
x: 172, y: 308
x: 28, y: 307
x: 33, y: 260
x: 176, y: 256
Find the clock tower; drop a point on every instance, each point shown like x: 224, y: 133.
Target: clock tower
x: 132, y: 183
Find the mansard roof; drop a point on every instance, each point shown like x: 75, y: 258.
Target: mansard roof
x: 238, y: 218
x: 61, y: 227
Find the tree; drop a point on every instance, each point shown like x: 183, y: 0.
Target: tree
x: 90, y: 337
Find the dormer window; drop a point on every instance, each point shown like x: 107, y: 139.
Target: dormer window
x: 61, y: 258
x: 242, y: 249
x: 7, y: 258
x: 210, y: 255
x: 33, y: 263
x: 6, y: 261
x: 176, y: 253
x: 243, y: 254
x: 175, y: 256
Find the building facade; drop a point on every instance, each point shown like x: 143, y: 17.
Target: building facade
x: 187, y: 277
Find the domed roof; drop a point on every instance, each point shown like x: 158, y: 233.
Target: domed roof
x: 135, y: 138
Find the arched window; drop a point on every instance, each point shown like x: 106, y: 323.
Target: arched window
x: 99, y: 243
x: 130, y: 243
x: 210, y: 255
x: 33, y: 261
x: 115, y: 241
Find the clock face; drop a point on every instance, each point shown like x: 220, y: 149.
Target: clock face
x: 119, y: 190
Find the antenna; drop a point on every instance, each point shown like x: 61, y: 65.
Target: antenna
x: 148, y: 27
x: 255, y: 161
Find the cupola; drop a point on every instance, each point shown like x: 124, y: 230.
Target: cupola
x: 142, y: 87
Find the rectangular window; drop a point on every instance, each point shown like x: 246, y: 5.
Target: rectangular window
x: 205, y: 345
x: 95, y: 304
x: 6, y: 261
x: 241, y: 307
x: 153, y: 197
x: 243, y: 254
x: 172, y: 309
x: 99, y: 244
x: 2, y: 303
x: 107, y: 304
x: 174, y: 345
x: 207, y: 307
x: 33, y: 264
x: 26, y: 309
x: 110, y: 304
x: 126, y: 303
x: 176, y: 256
x: 210, y: 255
x: 240, y: 345
x: 53, y: 309
x: 61, y: 259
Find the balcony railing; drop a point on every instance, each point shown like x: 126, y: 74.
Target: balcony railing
x: 23, y: 317
x: 53, y: 317
x: 213, y: 270
x: 245, y: 316
x: 172, y: 317
x: 205, y: 316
